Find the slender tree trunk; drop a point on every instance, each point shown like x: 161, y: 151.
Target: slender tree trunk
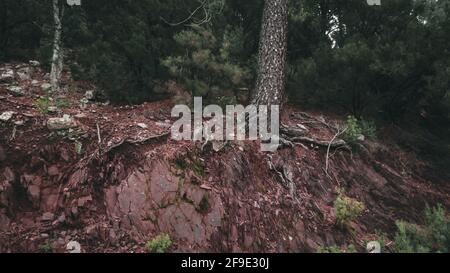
x: 272, y: 54
x: 57, y: 58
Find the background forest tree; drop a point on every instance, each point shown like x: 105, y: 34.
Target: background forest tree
x: 389, y: 63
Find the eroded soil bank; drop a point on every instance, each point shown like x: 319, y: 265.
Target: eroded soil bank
x: 112, y: 184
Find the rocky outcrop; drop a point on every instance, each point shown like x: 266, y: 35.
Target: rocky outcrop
x: 64, y: 123
x: 111, y: 185
x: 6, y: 75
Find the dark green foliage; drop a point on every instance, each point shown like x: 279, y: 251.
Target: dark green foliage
x: 347, y: 209
x: 353, y: 130
x: 118, y: 45
x: 21, y: 28
x: 357, y: 128
x: 386, y: 61
x: 204, y: 205
x: 208, y: 66
x: 434, y: 236
x: 159, y: 244
x: 46, y: 248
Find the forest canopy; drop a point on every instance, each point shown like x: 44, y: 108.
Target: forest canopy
x: 387, y: 62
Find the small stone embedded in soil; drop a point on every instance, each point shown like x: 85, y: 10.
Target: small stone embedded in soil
x: 34, y: 63
x: 19, y: 123
x: 45, y: 87
x: 361, y: 138
x: 81, y: 115
x: 16, y: 91
x: 6, y: 116
x: 73, y: 247
x: 89, y: 95
x: 66, y: 122
x: 7, y: 76
x: 142, y: 125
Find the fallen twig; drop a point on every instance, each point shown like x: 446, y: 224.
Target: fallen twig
x: 329, y: 148
x: 13, y: 136
x: 98, y: 134
x: 321, y: 143
x: 284, y: 175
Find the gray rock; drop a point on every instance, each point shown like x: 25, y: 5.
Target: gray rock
x: 81, y: 115
x: 34, y: 63
x: 24, y: 73
x: 66, y: 122
x: 373, y: 247
x: 19, y: 122
x: 89, y: 95
x: 73, y: 247
x: 142, y: 125
x: 6, y: 116
x: 301, y: 126
x: 7, y: 76
x: 361, y: 138
x: 15, y: 90
x: 46, y: 87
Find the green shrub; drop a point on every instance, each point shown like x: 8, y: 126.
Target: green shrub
x: 159, y: 244
x: 46, y: 248
x: 438, y: 226
x: 208, y: 66
x: 433, y: 237
x: 357, y: 128
x: 353, y: 131
x: 42, y: 104
x: 347, y: 209
x: 368, y: 128
x: 63, y: 103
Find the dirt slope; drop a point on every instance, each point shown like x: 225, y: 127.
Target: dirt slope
x: 128, y: 183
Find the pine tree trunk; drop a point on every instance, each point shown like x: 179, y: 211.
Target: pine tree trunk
x: 57, y: 58
x: 272, y: 54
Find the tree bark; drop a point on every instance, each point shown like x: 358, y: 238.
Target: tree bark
x: 57, y: 58
x: 272, y: 54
